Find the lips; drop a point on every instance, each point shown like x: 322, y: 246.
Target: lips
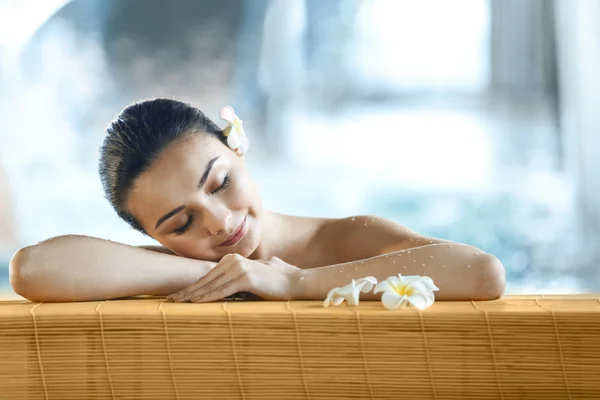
x: 236, y: 236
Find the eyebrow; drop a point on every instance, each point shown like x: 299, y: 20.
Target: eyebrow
x: 203, y: 180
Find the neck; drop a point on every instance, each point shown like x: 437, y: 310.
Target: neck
x: 273, y: 239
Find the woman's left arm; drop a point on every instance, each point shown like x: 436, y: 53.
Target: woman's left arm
x: 461, y: 272
x: 383, y: 248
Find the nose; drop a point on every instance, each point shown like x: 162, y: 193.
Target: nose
x: 216, y: 219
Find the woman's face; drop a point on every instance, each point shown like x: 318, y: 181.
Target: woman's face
x: 198, y: 200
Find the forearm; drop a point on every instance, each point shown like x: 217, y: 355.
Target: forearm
x: 79, y: 268
x: 461, y: 272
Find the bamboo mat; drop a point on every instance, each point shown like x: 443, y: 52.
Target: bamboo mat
x: 518, y: 347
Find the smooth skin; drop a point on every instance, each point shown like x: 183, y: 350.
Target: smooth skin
x: 193, y: 198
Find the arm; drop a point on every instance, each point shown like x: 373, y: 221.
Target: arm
x: 158, y: 249
x: 383, y: 248
x: 460, y: 271
x: 80, y: 268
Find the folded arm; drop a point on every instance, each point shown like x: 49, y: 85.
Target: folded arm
x: 81, y: 268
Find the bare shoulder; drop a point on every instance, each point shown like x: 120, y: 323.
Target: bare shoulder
x: 365, y: 236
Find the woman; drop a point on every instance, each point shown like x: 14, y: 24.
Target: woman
x: 172, y: 174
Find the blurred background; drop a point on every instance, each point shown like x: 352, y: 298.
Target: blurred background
x: 470, y: 120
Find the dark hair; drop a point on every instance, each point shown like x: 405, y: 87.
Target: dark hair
x: 136, y: 138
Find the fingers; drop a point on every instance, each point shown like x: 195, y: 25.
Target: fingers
x: 218, y: 270
x: 215, y: 273
x: 227, y: 270
x: 232, y: 275
x: 226, y: 290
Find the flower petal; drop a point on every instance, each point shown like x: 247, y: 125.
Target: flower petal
x: 330, y: 295
x: 421, y: 287
x: 336, y: 296
x: 353, y: 299
x: 366, y: 284
x: 391, y: 300
x: 337, y: 300
x: 396, y: 280
x: 348, y: 289
x: 409, y: 280
x: 428, y: 282
x: 233, y: 140
x: 383, y: 286
x: 245, y: 143
x: 352, y: 293
x: 227, y: 114
x: 370, y: 279
x: 420, y: 301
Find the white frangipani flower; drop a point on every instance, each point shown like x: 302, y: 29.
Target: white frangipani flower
x: 401, y: 290
x: 236, y: 136
x: 350, y: 292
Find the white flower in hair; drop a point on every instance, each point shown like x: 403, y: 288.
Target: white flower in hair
x: 400, y: 290
x: 234, y: 131
x: 350, y: 292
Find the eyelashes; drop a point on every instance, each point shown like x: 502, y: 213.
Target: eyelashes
x: 224, y: 185
x: 187, y: 225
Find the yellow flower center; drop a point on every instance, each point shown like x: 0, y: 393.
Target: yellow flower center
x: 403, y: 290
x: 238, y: 126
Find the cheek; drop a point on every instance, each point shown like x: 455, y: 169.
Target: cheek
x: 191, y: 247
x: 242, y: 193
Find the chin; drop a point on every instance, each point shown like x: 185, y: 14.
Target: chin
x: 251, y: 241
x: 247, y: 248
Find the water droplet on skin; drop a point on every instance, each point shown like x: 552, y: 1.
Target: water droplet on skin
x: 430, y: 256
x: 469, y: 266
x: 362, y: 262
x: 408, y: 252
x: 366, y: 224
x: 476, y: 254
x: 302, y: 278
x: 424, y: 265
x: 431, y: 241
x: 393, y: 262
x: 353, y: 219
x: 404, y: 266
x: 372, y: 219
x: 443, y: 266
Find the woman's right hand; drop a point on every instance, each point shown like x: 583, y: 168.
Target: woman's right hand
x: 270, y: 279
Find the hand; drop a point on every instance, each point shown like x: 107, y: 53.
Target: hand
x: 270, y: 279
